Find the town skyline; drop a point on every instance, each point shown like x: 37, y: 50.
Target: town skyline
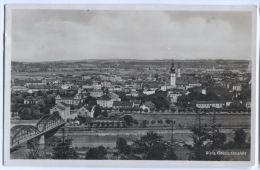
x: 128, y: 59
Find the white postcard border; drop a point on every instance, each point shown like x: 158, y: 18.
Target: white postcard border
x: 122, y: 163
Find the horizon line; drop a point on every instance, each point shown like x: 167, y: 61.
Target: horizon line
x: 125, y: 59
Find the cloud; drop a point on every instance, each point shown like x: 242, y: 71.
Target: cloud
x: 46, y: 35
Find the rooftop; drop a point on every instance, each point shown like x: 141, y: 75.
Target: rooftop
x: 122, y: 103
x: 104, y: 97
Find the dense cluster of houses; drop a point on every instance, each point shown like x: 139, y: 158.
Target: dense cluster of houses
x: 105, y: 88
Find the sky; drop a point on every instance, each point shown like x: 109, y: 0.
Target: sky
x: 53, y: 35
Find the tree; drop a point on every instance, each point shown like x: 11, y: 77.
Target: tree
x: 150, y: 147
x: 39, y: 93
x: 26, y: 114
x: 35, y: 110
x: 122, y: 146
x: 168, y: 121
x: 145, y: 110
x: 218, y: 139
x: 97, y: 111
x: 128, y: 120
x: 64, y: 150
x: 160, y: 121
x: 91, y: 101
x: 200, y: 135
x: 163, y: 110
x: 34, y: 149
x: 135, y: 122
x: 173, y: 110
x: 144, y: 123
x: 240, y: 137
x: 98, y: 153
x: 104, y: 114
x: 170, y: 153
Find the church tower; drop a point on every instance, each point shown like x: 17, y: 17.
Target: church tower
x: 179, y: 70
x: 173, y: 75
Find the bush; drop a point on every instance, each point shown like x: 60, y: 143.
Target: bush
x: 160, y: 121
x: 163, y: 110
x: 173, y: 110
x: 168, y: 121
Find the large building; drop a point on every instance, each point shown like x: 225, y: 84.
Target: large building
x: 212, y: 104
x: 69, y: 100
x: 63, y: 109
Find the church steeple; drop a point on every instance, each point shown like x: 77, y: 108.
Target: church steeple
x: 179, y: 70
x: 173, y: 75
x: 172, y: 69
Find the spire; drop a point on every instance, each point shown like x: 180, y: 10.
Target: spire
x: 179, y: 70
x: 172, y: 64
x: 172, y: 68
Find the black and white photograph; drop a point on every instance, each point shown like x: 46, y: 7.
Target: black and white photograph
x: 130, y: 83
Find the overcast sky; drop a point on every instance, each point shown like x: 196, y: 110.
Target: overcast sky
x: 51, y: 35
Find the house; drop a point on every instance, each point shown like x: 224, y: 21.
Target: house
x: 147, y: 105
x: 173, y: 95
x: 84, y: 112
x: 19, y: 89
x: 97, y: 86
x: 35, y: 88
x: 104, y: 122
x: 87, y: 86
x: 105, y: 101
x: 69, y: 100
x: 66, y: 86
x: 49, y: 80
x: 56, y: 82
x: 114, y: 96
x: 115, y: 78
x: 63, y: 109
x: 106, y: 84
x: 32, y: 100
x: 151, y: 87
x: 86, y: 77
x: 209, y: 104
x: 118, y: 88
x: 96, y: 93
x: 237, y: 87
x: 248, y: 104
x: 122, y: 104
x: 71, y: 89
x: 34, y: 82
x: 182, y: 83
x: 149, y: 92
x: 137, y: 103
x: 193, y: 82
x: 166, y: 87
x: 132, y: 93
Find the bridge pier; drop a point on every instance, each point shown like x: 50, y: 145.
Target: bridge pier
x: 42, y: 142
